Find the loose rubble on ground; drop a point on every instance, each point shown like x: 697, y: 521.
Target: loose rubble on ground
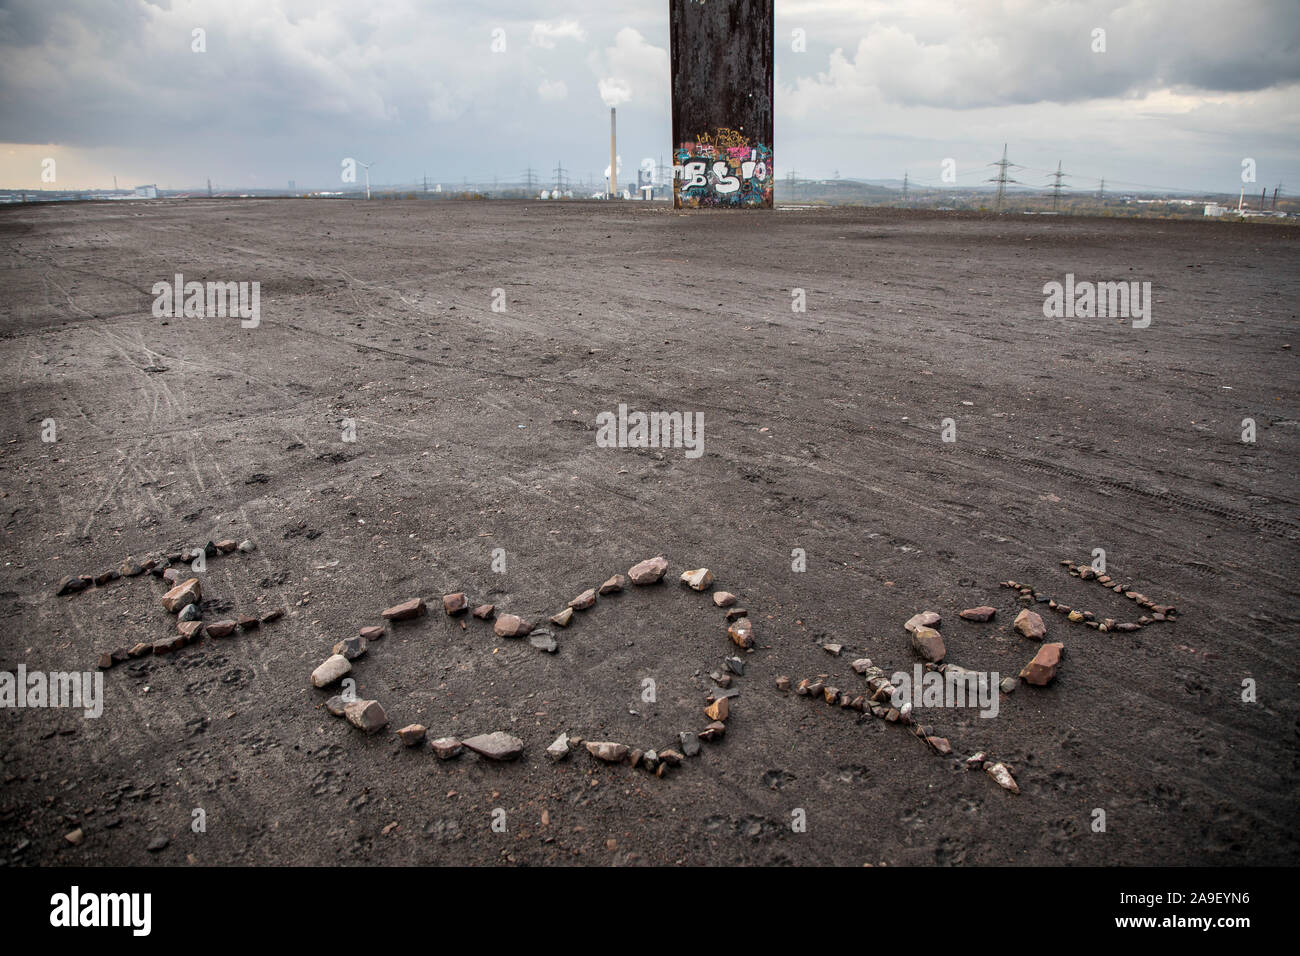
x: 927, y: 643
x: 1159, y: 612
x: 877, y: 702
x: 184, y: 598
x: 370, y: 716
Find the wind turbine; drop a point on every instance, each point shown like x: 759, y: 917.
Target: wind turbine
x: 366, y: 166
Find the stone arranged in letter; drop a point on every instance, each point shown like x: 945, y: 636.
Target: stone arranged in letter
x: 332, y: 671
x: 648, y: 572
x: 406, y: 610
x: 495, y: 746
x: 510, y: 625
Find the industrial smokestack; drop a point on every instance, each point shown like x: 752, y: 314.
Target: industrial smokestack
x: 613, y: 158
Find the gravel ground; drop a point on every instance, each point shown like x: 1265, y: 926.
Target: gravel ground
x: 476, y: 430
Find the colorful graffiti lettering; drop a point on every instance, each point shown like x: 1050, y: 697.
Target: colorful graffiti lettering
x: 723, y: 169
x: 724, y: 137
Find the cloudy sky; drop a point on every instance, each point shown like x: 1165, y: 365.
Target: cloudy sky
x: 285, y: 90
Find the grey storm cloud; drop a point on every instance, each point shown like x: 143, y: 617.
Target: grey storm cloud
x: 108, y: 73
x: 972, y: 56
x: 286, y: 87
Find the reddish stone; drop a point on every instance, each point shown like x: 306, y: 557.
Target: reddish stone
x: 584, y: 600
x: 742, y: 632
x: 366, y: 715
x: 712, y: 732
x: 928, y: 643
x: 411, y: 734
x: 167, y: 645
x: 1031, y: 625
x: 923, y: 619
x: 511, y: 625
x: 406, y: 610
x: 1042, y: 669
x: 187, y: 592
x: 648, y: 572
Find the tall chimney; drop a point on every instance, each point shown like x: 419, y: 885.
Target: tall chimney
x: 613, y: 158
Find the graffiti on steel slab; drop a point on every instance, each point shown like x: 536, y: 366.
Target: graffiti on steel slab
x: 724, y: 168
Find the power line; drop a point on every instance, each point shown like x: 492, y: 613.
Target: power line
x: 1155, y: 187
x: 1056, y: 186
x: 1002, y: 179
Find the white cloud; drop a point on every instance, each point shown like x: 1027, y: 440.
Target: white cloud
x: 544, y: 35
x: 1181, y: 95
x: 632, y: 69
x: 951, y: 55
